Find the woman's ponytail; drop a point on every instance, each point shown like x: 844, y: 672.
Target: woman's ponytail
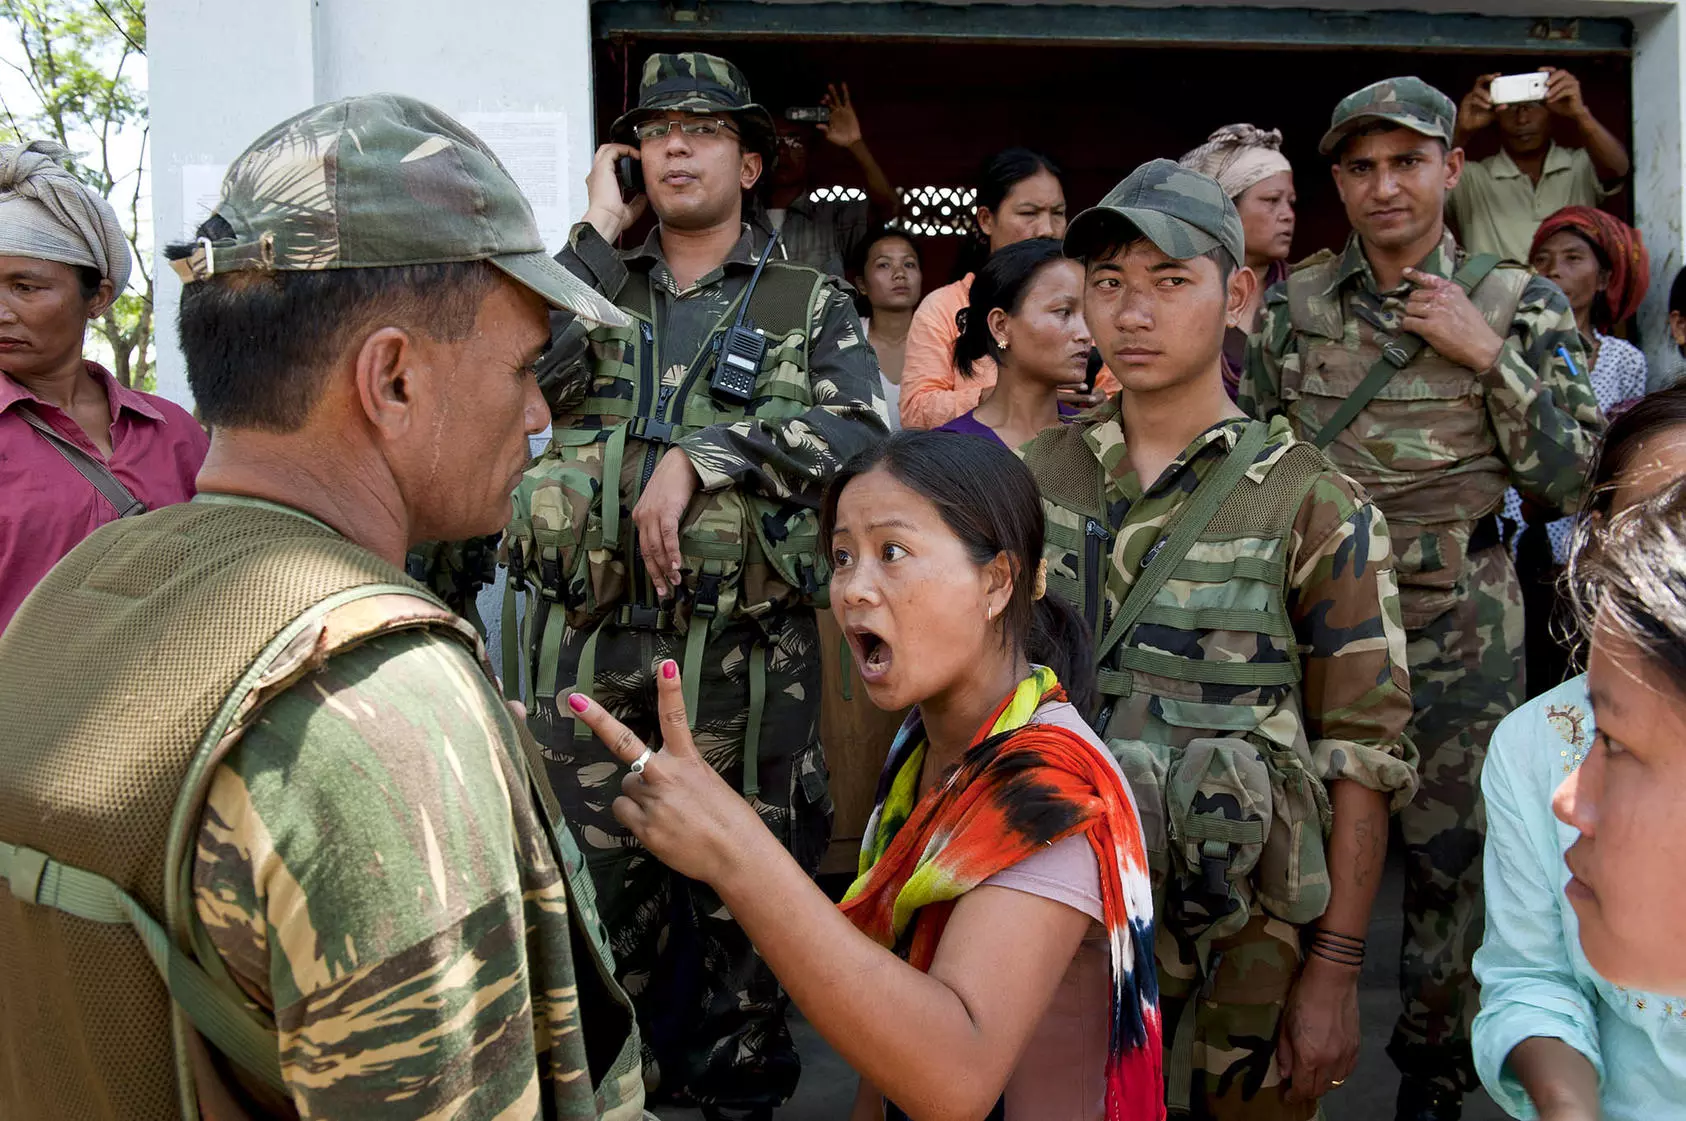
x: 1061, y: 640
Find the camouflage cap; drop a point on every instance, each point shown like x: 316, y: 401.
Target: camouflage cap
x: 692, y: 82
x: 381, y: 181
x: 1181, y: 211
x: 1408, y: 102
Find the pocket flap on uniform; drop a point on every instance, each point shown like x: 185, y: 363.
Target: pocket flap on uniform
x: 1205, y: 714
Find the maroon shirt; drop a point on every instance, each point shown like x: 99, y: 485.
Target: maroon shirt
x: 46, y: 506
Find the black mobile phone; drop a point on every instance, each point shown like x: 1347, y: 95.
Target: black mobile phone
x: 630, y: 171
x: 809, y: 114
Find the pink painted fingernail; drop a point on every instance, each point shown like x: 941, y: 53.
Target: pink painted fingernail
x: 670, y: 669
x: 577, y: 702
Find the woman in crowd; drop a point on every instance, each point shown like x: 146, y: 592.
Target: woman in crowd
x: 1628, y: 798
x: 1551, y: 1032
x: 1600, y: 263
x: 1025, y: 316
x: 1019, y: 197
x: 890, y: 281
x: 1249, y: 165
x: 997, y: 947
x: 78, y: 449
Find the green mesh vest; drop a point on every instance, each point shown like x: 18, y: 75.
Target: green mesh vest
x: 570, y: 541
x: 125, y: 677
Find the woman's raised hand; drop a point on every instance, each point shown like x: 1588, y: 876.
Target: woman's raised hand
x: 674, y: 802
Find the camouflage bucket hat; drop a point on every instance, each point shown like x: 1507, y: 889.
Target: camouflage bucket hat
x: 697, y: 83
x: 377, y: 182
x: 1181, y: 211
x: 1408, y: 102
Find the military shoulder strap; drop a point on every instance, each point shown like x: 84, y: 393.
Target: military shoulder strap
x: 1170, y: 551
x: 1397, y: 354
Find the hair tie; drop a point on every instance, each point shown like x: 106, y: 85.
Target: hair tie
x: 961, y: 317
x: 1041, y: 588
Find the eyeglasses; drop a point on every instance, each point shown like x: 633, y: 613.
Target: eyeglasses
x: 690, y: 126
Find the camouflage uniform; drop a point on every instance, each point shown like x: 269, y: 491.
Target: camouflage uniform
x: 368, y: 868
x: 712, y: 1013
x: 1335, y: 709
x: 325, y: 807
x: 1436, y: 447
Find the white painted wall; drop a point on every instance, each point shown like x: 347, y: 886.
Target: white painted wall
x: 211, y: 95
x: 1659, y: 129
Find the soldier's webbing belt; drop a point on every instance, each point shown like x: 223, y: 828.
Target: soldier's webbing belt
x: 1170, y: 551
x: 1397, y: 353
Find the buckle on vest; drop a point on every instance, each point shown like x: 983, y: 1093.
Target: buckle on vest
x: 639, y: 617
x: 550, y: 575
x: 706, y: 601
x: 517, y: 566
x: 655, y: 431
x: 1214, y: 863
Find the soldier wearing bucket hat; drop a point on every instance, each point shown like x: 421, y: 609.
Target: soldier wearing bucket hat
x: 1241, y: 595
x: 1435, y: 379
x: 674, y: 516
x: 271, y: 844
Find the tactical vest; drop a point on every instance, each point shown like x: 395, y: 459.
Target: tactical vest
x: 571, y: 540
x: 1422, y: 446
x: 124, y: 680
x: 1201, y: 690
x: 1226, y: 796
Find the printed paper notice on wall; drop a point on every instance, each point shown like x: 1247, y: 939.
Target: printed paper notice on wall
x: 201, y: 188
x: 534, y: 147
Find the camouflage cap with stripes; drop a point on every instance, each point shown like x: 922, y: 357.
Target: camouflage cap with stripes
x: 1181, y: 211
x: 692, y: 82
x: 1407, y: 102
x: 380, y: 181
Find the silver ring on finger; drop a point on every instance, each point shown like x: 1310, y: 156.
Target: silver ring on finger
x: 639, y: 763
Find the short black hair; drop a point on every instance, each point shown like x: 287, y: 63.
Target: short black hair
x: 258, y: 345
x: 1376, y: 128
x: 88, y: 281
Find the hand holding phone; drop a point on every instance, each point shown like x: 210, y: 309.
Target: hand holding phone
x: 608, y: 209
x: 1517, y: 89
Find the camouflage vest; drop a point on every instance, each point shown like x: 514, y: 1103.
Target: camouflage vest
x: 189, y: 620
x: 1202, y: 687
x: 1453, y: 476
x: 571, y: 540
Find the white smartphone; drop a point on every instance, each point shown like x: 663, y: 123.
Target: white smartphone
x: 1513, y: 89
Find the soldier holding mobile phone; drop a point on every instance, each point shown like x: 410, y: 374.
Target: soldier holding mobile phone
x: 1503, y: 199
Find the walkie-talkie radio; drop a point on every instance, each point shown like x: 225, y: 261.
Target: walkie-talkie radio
x: 742, y: 347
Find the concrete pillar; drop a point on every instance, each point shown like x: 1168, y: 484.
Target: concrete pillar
x: 211, y: 96
x: 1659, y: 112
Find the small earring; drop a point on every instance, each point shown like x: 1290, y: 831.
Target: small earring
x: 1001, y: 344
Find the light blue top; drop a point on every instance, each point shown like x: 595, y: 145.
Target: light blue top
x: 1534, y: 978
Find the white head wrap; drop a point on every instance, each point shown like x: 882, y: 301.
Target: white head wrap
x: 46, y: 213
x: 1239, y: 156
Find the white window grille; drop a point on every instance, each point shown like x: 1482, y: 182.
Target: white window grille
x: 837, y: 194
x: 926, y: 211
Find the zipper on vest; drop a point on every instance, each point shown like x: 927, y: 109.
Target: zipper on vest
x: 1096, y: 543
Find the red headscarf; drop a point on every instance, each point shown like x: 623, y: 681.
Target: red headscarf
x: 1630, y: 264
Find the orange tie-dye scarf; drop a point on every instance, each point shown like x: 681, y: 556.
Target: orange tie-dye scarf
x: 1021, y: 786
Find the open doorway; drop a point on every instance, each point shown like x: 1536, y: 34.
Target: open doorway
x: 932, y: 111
